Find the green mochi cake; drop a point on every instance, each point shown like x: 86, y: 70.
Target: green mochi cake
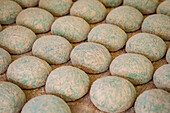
x: 28, y: 72
x: 126, y: 17
x: 27, y: 3
x: 46, y: 104
x: 111, y: 3
x: 164, y: 8
x: 168, y: 56
x: 67, y: 82
x: 12, y: 98
x: 111, y: 36
x: 112, y: 94
x: 0, y: 27
x: 149, y: 45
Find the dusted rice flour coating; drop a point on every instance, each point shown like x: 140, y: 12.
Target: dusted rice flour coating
x: 46, y: 104
x: 111, y: 36
x: 5, y: 59
x: 12, y: 98
x: 126, y: 17
x: 28, y: 72
x: 149, y: 45
x: 56, y: 7
x: 17, y: 39
x: 27, y: 3
x: 153, y: 101
x: 168, y: 56
x: 54, y: 49
x: 112, y: 94
x: 37, y: 19
x: 73, y: 28
x: 67, y: 82
x: 9, y: 11
x: 161, y: 77
x: 111, y: 3
x: 134, y: 67
x: 91, y: 57
x: 91, y: 10
x: 144, y: 6
x: 164, y: 8
x: 157, y: 24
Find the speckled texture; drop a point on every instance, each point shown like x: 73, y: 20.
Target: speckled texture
x: 153, y: 101
x: 12, y: 98
x: 168, y: 56
x: 144, y: 6
x: 149, y: 45
x: 91, y: 10
x: 161, y: 77
x: 56, y: 7
x: 67, y: 82
x: 123, y: 17
x: 164, y: 8
x: 91, y: 57
x: 9, y: 11
x: 17, y: 39
x: 73, y: 28
x: 27, y: 3
x: 158, y: 24
x: 5, y: 59
x: 54, y: 49
x: 28, y: 72
x: 111, y: 3
x: 112, y: 94
x: 134, y: 67
x: 37, y: 19
x: 46, y: 104
x: 111, y: 36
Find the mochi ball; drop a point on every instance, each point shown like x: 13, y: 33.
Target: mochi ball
x: 74, y: 29
x: 157, y: 24
x: 92, y: 11
x: 134, y: 67
x: 144, y: 6
x: 111, y: 36
x: 149, y: 45
x: 111, y: 3
x: 164, y: 8
x: 37, y: 19
x: 28, y: 72
x: 27, y: 3
x: 12, y: 98
x: 112, y: 94
x: 53, y: 49
x: 46, y: 104
x: 168, y: 56
x: 126, y: 14
x: 9, y: 11
x: 5, y: 59
x: 91, y: 57
x: 17, y: 39
x: 153, y: 101
x: 56, y: 7
x: 67, y: 82
x: 161, y: 77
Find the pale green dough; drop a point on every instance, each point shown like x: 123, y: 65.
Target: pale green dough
x: 27, y: 3
x: 12, y: 98
x: 153, y: 101
x: 54, y: 49
x: 149, y: 45
x: 37, y: 19
x: 5, y: 60
x: 111, y: 36
x: 56, y: 7
x: 168, y: 56
x: 67, y: 82
x: 28, y: 72
x: 144, y: 6
x: 91, y: 10
x: 134, y: 67
x: 157, y: 24
x: 17, y: 39
x: 46, y: 104
x: 73, y: 28
x: 91, y: 57
x: 9, y: 11
x: 111, y: 3
x: 164, y: 8
x: 123, y: 17
x: 112, y: 94
x: 161, y: 77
